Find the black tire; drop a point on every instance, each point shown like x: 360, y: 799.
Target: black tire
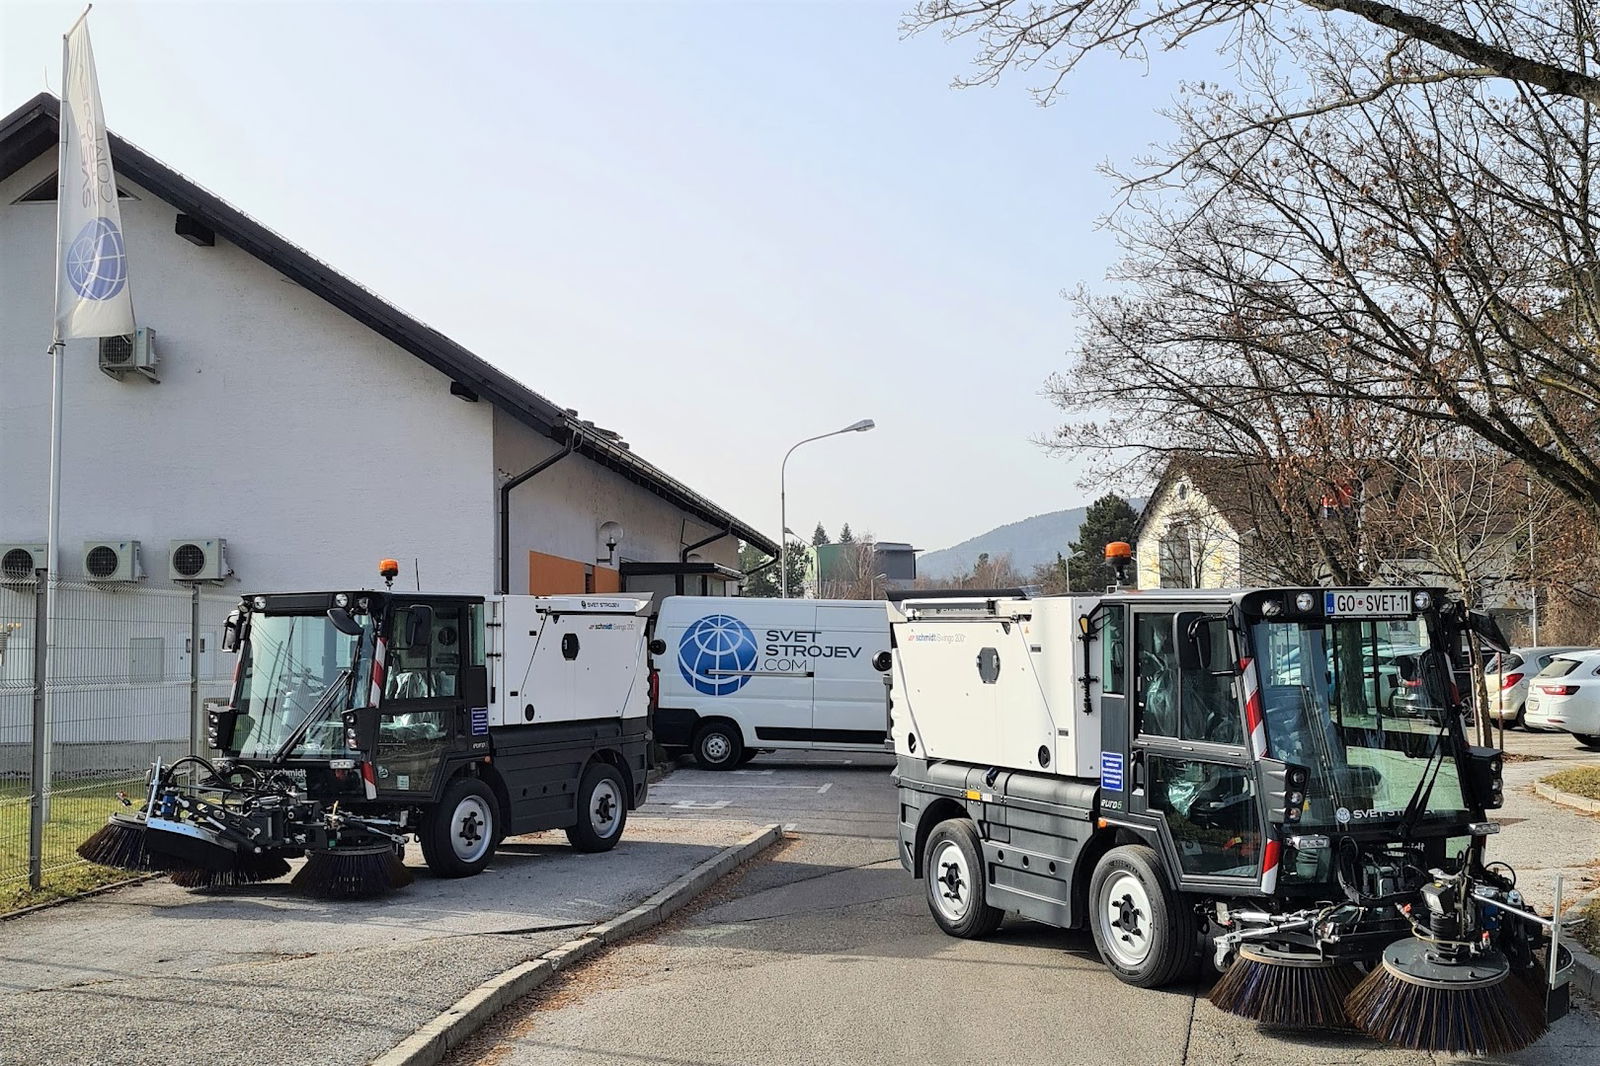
x: 749, y: 756
x: 602, y: 809
x: 1152, y: 940
x: 1521, y: 720
x: 1588, y: 740
x: 718, y: 746
x: 459, y: 835
x: 955, y: 881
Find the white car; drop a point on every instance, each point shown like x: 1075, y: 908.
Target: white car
x: 1507, y: 677
x: 1566, y: 695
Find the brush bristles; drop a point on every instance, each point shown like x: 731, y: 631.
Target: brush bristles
x: 1290, y: 996
x: 249, y: 870
x: 1494, y: 1019
x: 121, y: 843
x: 351, y: 874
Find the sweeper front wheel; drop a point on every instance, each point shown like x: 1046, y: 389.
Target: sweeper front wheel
x: 1144, y: 931
x: 459, y: 835
x: 602, y: 809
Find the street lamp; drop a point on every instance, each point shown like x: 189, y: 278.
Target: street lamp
x: 783, y: 503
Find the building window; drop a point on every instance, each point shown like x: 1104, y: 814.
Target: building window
x: 1177, y: 559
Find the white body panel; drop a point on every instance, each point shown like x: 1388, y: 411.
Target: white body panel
x: 1028, y: 714
x: 791, y: 673
x: 568, y: 658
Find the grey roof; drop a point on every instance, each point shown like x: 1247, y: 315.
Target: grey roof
x: 31, y: 130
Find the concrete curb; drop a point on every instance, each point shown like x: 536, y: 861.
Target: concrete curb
x: 428, y: 1045
x: 1566, y: 799
x: 1585, y: 970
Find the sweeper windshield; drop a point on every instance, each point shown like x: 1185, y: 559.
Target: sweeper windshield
x: 1363, y: 703
x: 294, y: 667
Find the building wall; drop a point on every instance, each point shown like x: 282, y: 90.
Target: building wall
x: 314, y: 446
x: 558, y: 514
x: 1213, y: 541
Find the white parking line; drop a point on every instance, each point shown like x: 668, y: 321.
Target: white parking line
x: 692, y: 805
x: 719, y: 784
x: 824, y: 788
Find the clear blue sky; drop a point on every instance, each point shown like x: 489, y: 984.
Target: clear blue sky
x: 715, y: 227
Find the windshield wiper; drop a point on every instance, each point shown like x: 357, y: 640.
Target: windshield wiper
x: 1428, y: 667
x: 316, y: 712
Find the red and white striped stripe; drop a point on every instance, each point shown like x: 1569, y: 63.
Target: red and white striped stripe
x: 1253, y: 717
x: 1270, y: 853
x: 377, y: 673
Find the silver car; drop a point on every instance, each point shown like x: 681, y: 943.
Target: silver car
x: 1507, y: 676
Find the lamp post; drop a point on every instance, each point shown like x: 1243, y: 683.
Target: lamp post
x: 783, y: 503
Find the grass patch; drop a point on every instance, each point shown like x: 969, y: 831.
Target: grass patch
x: 1587, y: 929
x: 75, y: 812
x: 1579, y: 781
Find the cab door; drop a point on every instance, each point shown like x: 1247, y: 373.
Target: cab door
x: 1189, y: 763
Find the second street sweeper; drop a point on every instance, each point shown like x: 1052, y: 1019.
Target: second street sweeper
x: 1273, y: 781
x: 361, y: 719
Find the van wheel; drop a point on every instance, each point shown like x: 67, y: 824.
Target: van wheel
x: 459, y: 835
x: 1144, y: 931
x: 955, y: 881
x: 602, y: 809
x: 718, y: 746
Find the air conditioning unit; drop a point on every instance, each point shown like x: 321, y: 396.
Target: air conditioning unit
x: 19, y: 561
x: 112, y: 560
x: 193, y: 559
x: 131, y: 353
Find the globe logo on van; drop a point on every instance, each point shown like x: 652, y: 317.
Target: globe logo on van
x: 717, y: 654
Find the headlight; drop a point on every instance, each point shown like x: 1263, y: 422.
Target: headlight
x: 260, y: 603
x: 341, y: 600
x: 1272, y: 608
x: 1422, y: 600
x: 1304, y: 602
x: 1296, y: 798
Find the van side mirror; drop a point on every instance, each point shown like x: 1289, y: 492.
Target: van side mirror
x: 658, y: 646
x: 882, y: 661
x: 230, y: 631
x: 419, y: 627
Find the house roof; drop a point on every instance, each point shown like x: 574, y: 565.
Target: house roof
x: 31, y: 130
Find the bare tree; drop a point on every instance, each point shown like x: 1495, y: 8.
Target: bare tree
x: 852, y: 573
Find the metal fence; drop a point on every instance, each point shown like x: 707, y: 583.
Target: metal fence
x: 123, y: 681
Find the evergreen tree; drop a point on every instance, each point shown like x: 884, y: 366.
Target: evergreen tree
x: 1109, y: 518
x: 761, y: 582
x: 819, y: 536
x: 845, y: 536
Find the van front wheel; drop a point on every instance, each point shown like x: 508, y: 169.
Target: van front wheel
x: 718, y: 746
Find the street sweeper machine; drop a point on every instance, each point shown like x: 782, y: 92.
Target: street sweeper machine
x: 362, y: 719
x: 1276, y: 782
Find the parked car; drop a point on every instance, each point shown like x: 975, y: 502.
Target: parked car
x: 1565, y: 695
x: 1507, y: 677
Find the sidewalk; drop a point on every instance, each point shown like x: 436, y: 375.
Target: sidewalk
x: 1539, y: 838
x: 154, y: 974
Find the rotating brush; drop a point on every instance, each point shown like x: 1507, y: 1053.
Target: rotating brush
x: 1280, y: 988
x: 352, y: 873
x: 248, y: 870
x: 121, y: 843
x: 1421, y: 999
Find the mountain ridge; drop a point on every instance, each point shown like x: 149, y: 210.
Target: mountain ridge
x: 1030, y: 542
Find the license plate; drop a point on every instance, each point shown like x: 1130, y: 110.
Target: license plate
x: 1366, y: 603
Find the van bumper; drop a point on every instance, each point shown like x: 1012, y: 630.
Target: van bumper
x: 674, y: 727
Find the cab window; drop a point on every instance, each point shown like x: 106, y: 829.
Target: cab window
x: 1189, y: 704
x: 1113, y: 651
x: 432, y: 672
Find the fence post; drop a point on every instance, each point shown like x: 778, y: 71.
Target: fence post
x: 197, y: 728
x: 39, y: 771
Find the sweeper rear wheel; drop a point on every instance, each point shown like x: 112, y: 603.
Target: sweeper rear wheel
x: 602, y: 809
x: 954, y: 878
x: 459, y: 835
x: 1145, y: 932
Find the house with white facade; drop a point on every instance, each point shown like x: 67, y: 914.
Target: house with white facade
x: 301, y: 426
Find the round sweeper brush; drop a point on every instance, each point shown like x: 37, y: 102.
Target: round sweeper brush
x: 247, y: 870
x: 1423, y: 1000
x: 1274, y: 987
x: 352, y: 873
x: 123, y: 843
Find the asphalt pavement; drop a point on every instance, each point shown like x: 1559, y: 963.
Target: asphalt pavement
x: 153, y: 974
x: 823, y: 952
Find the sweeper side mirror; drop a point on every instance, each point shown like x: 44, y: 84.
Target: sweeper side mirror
x: 343, y: 622
x: 230, y: 631
x: 419, y: 627
x: 361, y: 730
x: 1202, y: 641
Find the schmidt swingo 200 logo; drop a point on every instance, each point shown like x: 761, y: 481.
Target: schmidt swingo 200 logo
x: 717, y: 654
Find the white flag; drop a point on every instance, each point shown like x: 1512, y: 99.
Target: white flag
x: 92, y: 294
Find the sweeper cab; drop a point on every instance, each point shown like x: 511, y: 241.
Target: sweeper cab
x: 1274, y: 780
x: 361, y: 719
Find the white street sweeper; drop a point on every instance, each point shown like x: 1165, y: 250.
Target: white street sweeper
x: 1273, y: 781
x: 360, y: 719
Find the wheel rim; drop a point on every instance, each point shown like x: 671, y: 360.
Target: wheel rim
x: 605, y: 808
x: 717, y: 747
x: 1125, y: 920
x: 951, y: 881
x: 471, y: 829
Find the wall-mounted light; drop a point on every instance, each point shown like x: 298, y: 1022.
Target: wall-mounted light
x: 610, y: 535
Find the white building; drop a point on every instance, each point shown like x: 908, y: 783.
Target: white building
x: 308, y: 423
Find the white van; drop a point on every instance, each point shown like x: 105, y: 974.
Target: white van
x: 742, y: 675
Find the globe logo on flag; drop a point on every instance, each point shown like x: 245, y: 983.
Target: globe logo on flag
x: 97, y: 263
x: 716, y: 654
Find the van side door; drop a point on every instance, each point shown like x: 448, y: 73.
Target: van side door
x: 847, y: 693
